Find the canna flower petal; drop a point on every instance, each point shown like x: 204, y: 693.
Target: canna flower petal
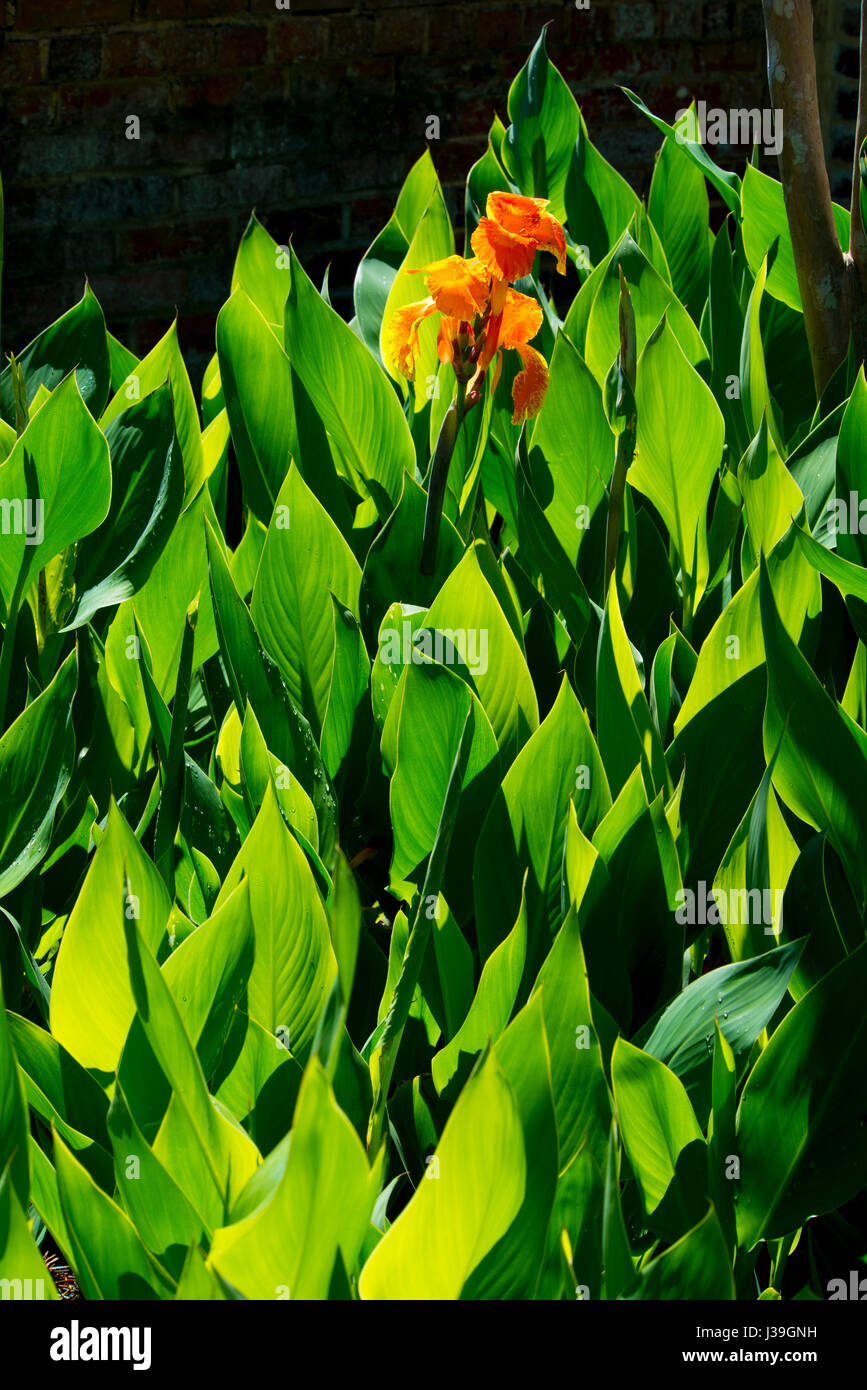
x: 530, y: 385
x: 401, y: 336
x: 522, y: 319
x: 448, y: 331
x: 457, y: 286
x: 505, y: 254
x: 551, y: 237
x: 514, y: 212
x: 523, y: 227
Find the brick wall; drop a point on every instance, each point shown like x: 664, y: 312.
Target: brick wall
x: 312, y: 114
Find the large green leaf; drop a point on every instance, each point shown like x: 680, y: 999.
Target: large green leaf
x: 255, y: 372
x: 741, y: 998
x: 121, y: 885
x: 22, y: 1269
x: 304, y: 561
x: 321, y: 1205
x: 658, y: 1125
x: 821, y: 765
x: 164, y: 361
x: 57, y: 481
x: 696, y: 1268
x: 76, y: 340
x: 537, y: 148
x: 13, y: 1117
x: 467, y: 613
x: 294, y: 966
x: 802, y: 1123
x: 354, y: 397
x: 147, y: 490
x: 108, y: 1256
x: 470, y: 1195
x: 36, y: 755
x: 678, y: 207
x: 525, y: 827
x: 678, y: 452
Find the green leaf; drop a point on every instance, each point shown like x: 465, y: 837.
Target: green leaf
x: 537, y: 148
x: 76, y: 340
x: 821, y: 765
x: 772, y: 498
x: 571, y: 449
x: 163, y: 361
x: 727, y: 185
x: 625, y: 729
x: 294, y: 966
x: 22, y: 1268
x: 802, y: 1123
x: 466, y: 1202
x: 466, y: 605
x: 57, y: 480
x: 658, y: 1125
x: 525, y: 827
x: 121, y: 884
x: 109, y: 1258
x: 763, y: 220
x: 741, y: 999
x: 599, y: 202
x: 14, y: 1126
x: 256, y: 372
x: 147, y: 489
x: 261, y: 271
x: 696, y: 1267
x: 304, y: 557
x: 679, y: 210
x: 581, y: 1099
x: 490, y: 1010
x: 511, y: 1268
x: 251, y: 672
x: 36, y: 756
x: 678, y: 452
x: 321, y: 1204
x: 433, y: 711
x: 350, y: 392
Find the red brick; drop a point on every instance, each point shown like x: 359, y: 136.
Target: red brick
x: 29, y: 104
x: 144, y: 245
x: 189, y: 49
x: 115, y: 101
x: 401, y: 33
x: 20, y: 62
x: 145, y: 289
x: 131, y: 54
x: 210, y: 9
x: 350, y: 36
x: 303, y: 38
x: 54, y: 14
x: 242, y: 46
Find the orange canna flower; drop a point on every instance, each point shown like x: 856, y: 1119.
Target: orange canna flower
x: 530, y: 385
x: 401, y: 336
x: 481, y: 313
x: 458, y: 287
x: 514, y: 229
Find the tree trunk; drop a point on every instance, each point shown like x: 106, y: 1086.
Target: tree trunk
x: 827, y: 279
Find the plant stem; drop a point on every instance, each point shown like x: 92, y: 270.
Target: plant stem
x: 439, y: 472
